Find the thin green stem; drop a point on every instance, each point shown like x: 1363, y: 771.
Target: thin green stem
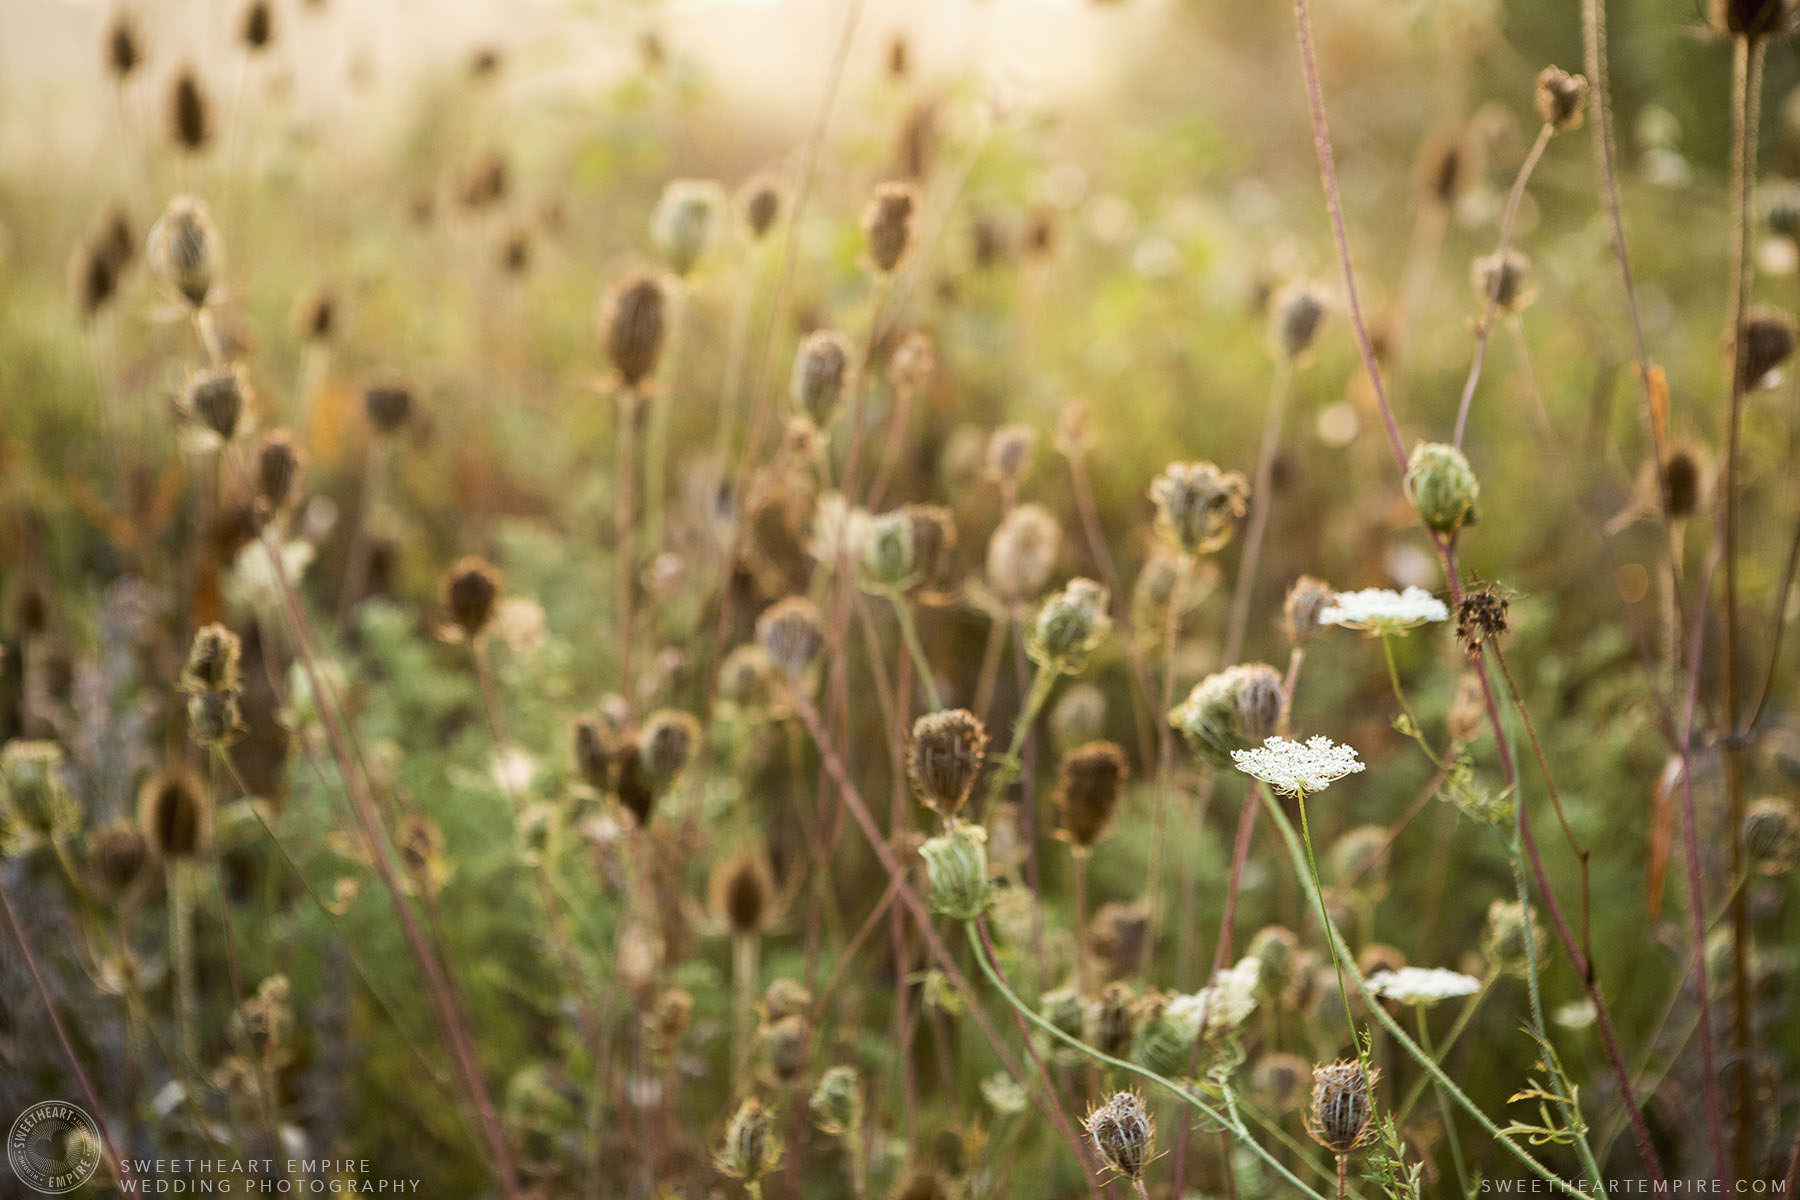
x: 909, y: 633
x: 1449, y: 1117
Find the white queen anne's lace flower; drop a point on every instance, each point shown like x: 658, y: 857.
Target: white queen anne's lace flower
x: 1292, y: 767
x: 1223, y: 1004
x: 1423, y: 986
x: 1383, y: 611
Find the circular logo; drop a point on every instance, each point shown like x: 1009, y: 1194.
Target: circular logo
x: 54, y: 1147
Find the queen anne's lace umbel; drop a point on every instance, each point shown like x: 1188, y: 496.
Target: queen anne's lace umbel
x: 1382, y: 610
x: 1294, y: 767
x: 1422, y: 985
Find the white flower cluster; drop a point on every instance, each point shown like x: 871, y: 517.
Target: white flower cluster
x: 1222, y: 1005
x: 1423, y: 986
x: 1298, y: 767
x: 1383, y: 611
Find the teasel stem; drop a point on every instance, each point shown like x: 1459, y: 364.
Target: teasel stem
x: 120, y: 1168
x: 181, y: 953
x: 1493, y: 299
x: 1746, y: 79
x: 624, y: 480
x: 745, y: 952
x: 1260, y: 504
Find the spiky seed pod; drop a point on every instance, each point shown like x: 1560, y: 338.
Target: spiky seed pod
x: 782, y: 1045
x: 184, y: 250
x: 1307, y: 599
x: 751, y: 1149
x: 633, y: 324
x: 743, y: 892
x: 944, y: 758
x: 668, y: 1020
x: 1341, y: 1108
x: 174, y: 813
x: 124, y: 52
x: 666, y: 744
x: 189, y: 121
x: 258, y: 27
x: 1683, y: 482
x: 791, y: 632
x: 637, y: 792
x: 1561, y: 98
x: 594, y: 750
x: 388, y: 406
x: 212, y: 661
x: 117, y: 854
x: 1088, y: 784
x: 1022, y: 553
x: 215, y: 718
x: 1069, y: 626
x: 1480, y: 617
x: 836, y: 1103
x: 822, y: 376
x: 1503, y: 280
x: 785, y: 998
x: 1767, y: 339
x: 932, y: 529
x: 1198, y: 505
x: 1751, y: 18
x: 686, y: 221
x: 1299, y: 312
x: 217, y: 397
x: 888, y: 224
x: 745, y: 677
x: 1233, y: 709
x: 1123, y: 1133
x: 277, y: 466
x: 759, y: 204
x: 1109, y: 1020
x: 956, y: 866
x: 1771, y: 832
x: 471, y: 588
x: 1442, y: 486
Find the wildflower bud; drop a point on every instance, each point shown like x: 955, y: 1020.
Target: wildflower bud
x: 1009, y: 454
x: 759, y: 204
x: 1500, y: 279
x: 1561, y: 97
x: 1307, y: 599
x: 1442, y: 486
x: 277, y: 465
x: 1233, y: 709
x: 685, y: 220
x: 594, y: 749
x: 1771, y: 833
x: 1503, y: 938
x: 822, y: 371
x: 1123, y: 1133
x: 888, y: 224
x: 888, y: 562
x: 1683, y: 481
x: 743, y: 892
x: 1197, y: 504
x: 214, y: 718
x: 1341, y: 1108
x: 184, y: 250
x: 782, y: 1045
x: 1750, y: 18
x: 786, y: 998
x: 212, y: 662
x: 668, y: 1020
x: 123, y: 51
x: 1299, y: 312
x: 837, y: 1102
x: 1087, y: 791
x: 1023, y: 551
x: 666, y: 744
x: 1765, y: 341
x: 791, y: 633
x: 632, y: 324
x: 1069, y: 626
x: 470, y: 590
x: 956, y: 865
x: 117, y: 854
x: 945, y: 758
x: 751, y: 1150
x: 216, y: 398
x: 36, y: 797
x: 189, y: 122
x: 388, y: 406
x: 258, y: 28
x: 174, y: 814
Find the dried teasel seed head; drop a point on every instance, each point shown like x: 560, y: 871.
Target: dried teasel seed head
x: 1445, y: 167
x: 1766, y: 341
x: 117, y: 854
x: 1111, y: 1019
x: 124, y: 50
x: 1561, y: 98
x: 933, y: 532
x: 1683, y: 483
x: 1307, y: 599
x: 174, y: 813
x: 633, y: 323
x: 751, y: 1149
x: 594, y: 751
x: 1123, y: 1133
x: 631, y: 780
x: 1341, y: 1107
x: 388, y: 405
x: 944, y: 758
x: 214, y: 718
x: 791, y: 632
x: 184, y: 250
x: 666, y: 743
x: 257, y: 29
x: 743, y: 892
x: 823, y: 370
x: 1198, y: 505
x: 956, y: 867
x: 1298, y: 312
x: 1503, y: 280
x: 277, y: 467
x: 1022, y: 553
x: 1088, y: 785
x: 1771, y: 832
x: 888, y: 224
x: 471, y: 589
x: 686, y: 221
x: 1751, y: 18
x: 760, y: 202
x: 190, y: 123
x: 212, y: 661
x: 217, y: 398
x: 1442, y: 486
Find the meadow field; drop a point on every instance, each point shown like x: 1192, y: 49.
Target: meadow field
x: 944, y: 601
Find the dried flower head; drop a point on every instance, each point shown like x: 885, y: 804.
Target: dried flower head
x: 1561, y: 98
x: 933, y: 534
x: 1123, y: 1134
x: 1088, y: 785
x: 1296, y: 768
x: 257, y: 28
x: 1280, y: 1081
x: 823, y: 370
x: 888, y: 224
x: 1480, y: 617
x: 1503, y: 279
x: 1341, y: 1106
x: 1684, y: 482
x: 1197, y: 505
x: 1297, y: 314
x: 1022, y: 553
x: 913, y: 365
x: 743, y: 892
x: 1771, y: 832
x: 189, y: 122
x: 388, y: 405
x: 1069, y: 625
x: 184, y: 250
x: 124, y: 52
x: 666, y: 743
x: 944, y: 758
x: 686, y: 220
x: 1446, y: 167
x: 35, y: 794
x: 1302, y: 610
x: 212, y: 662
x: 277, y: 466
x: 632, y: 325
x: 637, y: 792
x: 1230, y: 710
x: 759, y: 204
x: 471, y: 588
x: 594, y: 745
x: 1111, y: 1023
x: 174, y: 813
x: 1752, y: 18
x: 117, y: 854
x: 1766, y: 340
x: 792, y: 633
x: 217, y: 398
x: 668, y: 1020
x: 751, y: 1149
x: 1118, y: 936
x: 1442, y: 486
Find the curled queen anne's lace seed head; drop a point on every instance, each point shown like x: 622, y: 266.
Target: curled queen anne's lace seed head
x: 1292, y: 767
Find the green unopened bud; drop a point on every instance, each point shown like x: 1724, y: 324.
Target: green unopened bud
x: 1442, y: 486
x: 888, y: 559
x: 750, y: 1150
x: 1069, y: 626
x: 957, y: 866
x: 1233, y: 709
x: 837, y: 1102
x: 685, y: 221
x: 1198, y: 505
x: 37, y: 799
